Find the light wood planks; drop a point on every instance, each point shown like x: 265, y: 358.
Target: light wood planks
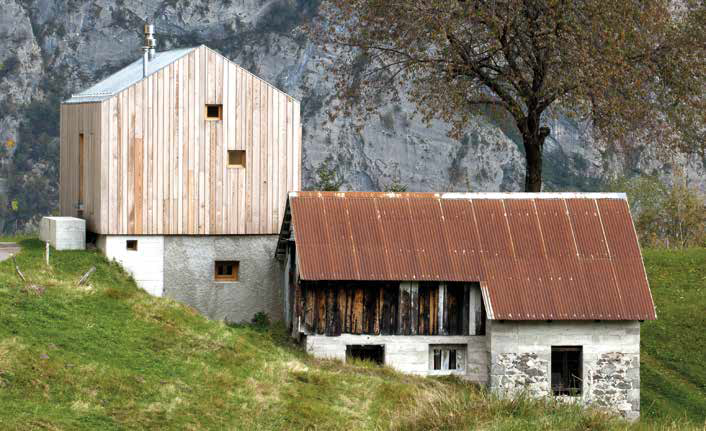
x: 154, y: 165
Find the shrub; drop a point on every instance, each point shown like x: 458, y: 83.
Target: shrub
x: 329, y: 179
x: 396, y: 187
x: 261, y: 320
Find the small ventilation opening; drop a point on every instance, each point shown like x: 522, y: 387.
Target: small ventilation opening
x: 227, y: 270
x: 374, y: 353
x: 566, y: 370
x: 236, y: 158
x: 131, y: 244
x: 214, y: 112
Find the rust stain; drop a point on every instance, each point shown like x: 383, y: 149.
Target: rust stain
x: 563, y: 257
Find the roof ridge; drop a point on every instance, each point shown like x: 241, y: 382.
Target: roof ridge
x: 467, y: 195
x: 116, y: 82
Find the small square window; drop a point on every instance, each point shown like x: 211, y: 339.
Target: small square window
x: 447, y: 358
x: 227, y: 270
x: 131, y: 244
x: 214, y: 112
x: 567, y: 370
x: 236, y: 158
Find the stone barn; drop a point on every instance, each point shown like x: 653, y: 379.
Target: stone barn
x: 538, y: 293
x: 180, y: 163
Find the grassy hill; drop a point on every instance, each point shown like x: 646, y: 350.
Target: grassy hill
x: 673, y: 360
x: 108, y: 356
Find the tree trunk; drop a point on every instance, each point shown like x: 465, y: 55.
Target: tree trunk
x: 533, y: 138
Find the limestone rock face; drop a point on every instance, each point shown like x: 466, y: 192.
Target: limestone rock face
x: 52, y: 48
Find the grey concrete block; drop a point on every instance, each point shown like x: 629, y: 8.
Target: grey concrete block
x: 63, y: 233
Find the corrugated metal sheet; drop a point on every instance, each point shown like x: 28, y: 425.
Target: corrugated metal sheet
x: 550, y: 256
x: 127, y: 76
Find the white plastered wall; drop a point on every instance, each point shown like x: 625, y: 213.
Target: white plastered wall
x: 408, y: 353
x: 146, y: 264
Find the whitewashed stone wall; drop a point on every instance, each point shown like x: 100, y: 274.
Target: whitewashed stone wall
x: 146, y: 264
x: 520, y: 354
x: 407, y: 353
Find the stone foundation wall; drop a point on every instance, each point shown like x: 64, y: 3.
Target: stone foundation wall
x: 521, y: 360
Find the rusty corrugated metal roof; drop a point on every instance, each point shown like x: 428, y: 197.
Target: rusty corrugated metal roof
x: 548, y: 256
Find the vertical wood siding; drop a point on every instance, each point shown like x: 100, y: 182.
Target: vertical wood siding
x: 157, y: 166
x: 86, y: 119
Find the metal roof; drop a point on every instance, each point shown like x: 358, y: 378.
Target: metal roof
x: 543, y: 256
x: 127, y: 76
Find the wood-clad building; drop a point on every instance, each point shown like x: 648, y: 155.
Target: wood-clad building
x: 199, y: 146
x: 181, y: 163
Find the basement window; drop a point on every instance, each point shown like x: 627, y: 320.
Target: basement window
x: 447, y: 358
x: 131, y: 244
x: 374, y: 353
x: 227, y: 270
x: 566, y: 370
x: 236, y: 158
x: 214, y: 112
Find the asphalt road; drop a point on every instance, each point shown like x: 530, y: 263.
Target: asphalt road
x: 7, y: 249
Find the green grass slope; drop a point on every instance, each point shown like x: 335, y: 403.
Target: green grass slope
x: 108, y: 356
x: 673, y: 360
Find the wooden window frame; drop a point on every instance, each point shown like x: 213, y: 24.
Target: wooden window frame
x: 236, y: 159
x: 210, y: 117
x: 131, y: 245
x: 232, y: 277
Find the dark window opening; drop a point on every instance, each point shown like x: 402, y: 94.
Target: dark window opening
x: 374, y: 353
x: 480, y: 319
x: 567, y: 370
x: 131, y: 244
x: 447, y: 357
x: 214, y: 112
x: 227, y: 270
x: 236, y: 158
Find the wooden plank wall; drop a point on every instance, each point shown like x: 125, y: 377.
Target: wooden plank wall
x: 164, y: 166
x: 76, y: 119
x: 382, y: 308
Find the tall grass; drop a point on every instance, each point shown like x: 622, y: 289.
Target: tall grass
x: 109, y: 356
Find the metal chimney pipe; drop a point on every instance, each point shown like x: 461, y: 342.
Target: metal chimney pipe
x: 148, y: 48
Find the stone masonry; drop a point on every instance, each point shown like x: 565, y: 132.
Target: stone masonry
x: 521, y: 360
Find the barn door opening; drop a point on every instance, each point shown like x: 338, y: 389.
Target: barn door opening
x: 80, y: 175
x: 374, y: 353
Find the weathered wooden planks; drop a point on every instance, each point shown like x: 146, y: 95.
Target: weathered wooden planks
x: 155, y: 165
x: 382, y: 308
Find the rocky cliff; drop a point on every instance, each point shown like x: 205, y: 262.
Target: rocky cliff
x: 52, y: 48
